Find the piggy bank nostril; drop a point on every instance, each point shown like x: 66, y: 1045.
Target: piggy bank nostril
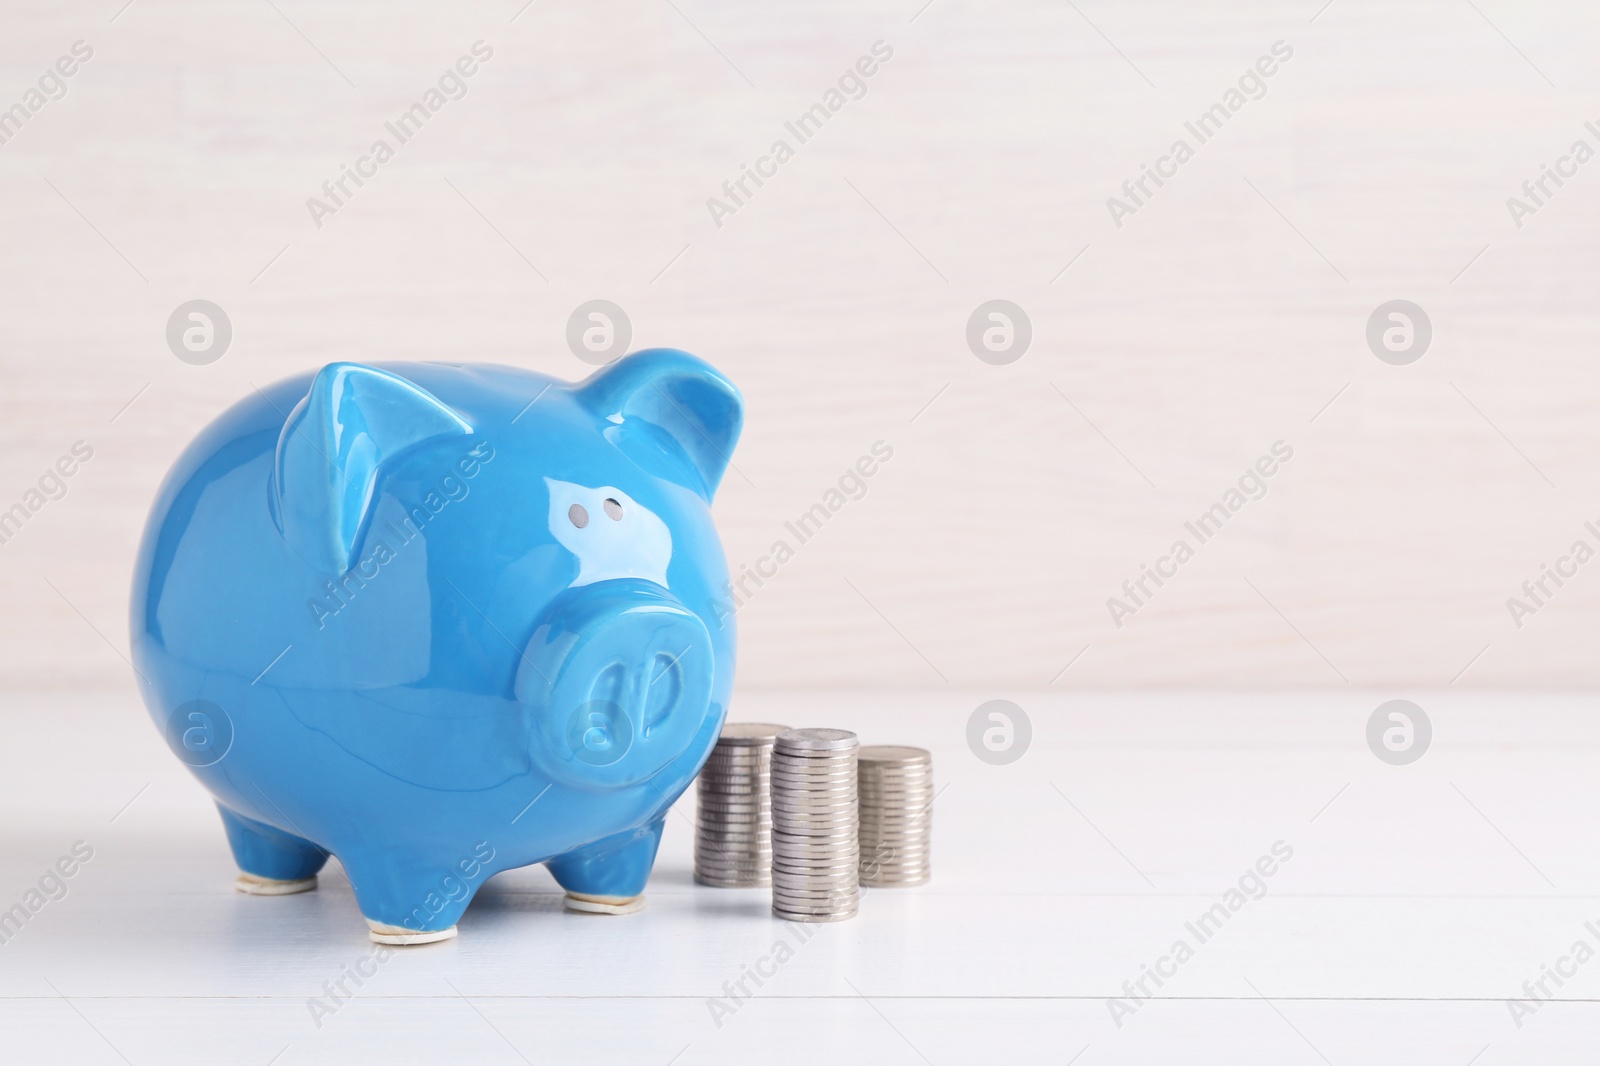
x: 579, y: 516
x: 599, y: 733
x: 665, y: 690
x: 613, y: 510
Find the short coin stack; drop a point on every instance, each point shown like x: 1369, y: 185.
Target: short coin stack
x: 896, y: 789
x: 733, y: 832
x: 815, y: 858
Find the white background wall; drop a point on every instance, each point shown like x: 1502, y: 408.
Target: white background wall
x: 1174, y: 351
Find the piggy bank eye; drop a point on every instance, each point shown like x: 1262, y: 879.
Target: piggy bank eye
x: 579, y: 516
x: 613, y: 510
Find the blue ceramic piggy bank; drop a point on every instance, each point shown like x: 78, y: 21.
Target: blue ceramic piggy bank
x: 441, y: 621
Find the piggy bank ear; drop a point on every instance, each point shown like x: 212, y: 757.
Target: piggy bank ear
x: 671, y: 413
x: 331, y: 451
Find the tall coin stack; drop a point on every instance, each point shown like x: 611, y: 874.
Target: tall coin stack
x: 896, y: 788
x: 733, y: 832
x: 815, y: 858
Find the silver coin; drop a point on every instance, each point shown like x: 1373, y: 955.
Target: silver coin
x: 843, y: 893
x: 734, y: 841
x: 804, y: 877
x: 815, y: 801
x: 787, y: 756
x: 798, y: 823
x: 783, y: 772
x: 815, y: 904
x: 812, y: 774
x: 897, y: 857
x: 745, y: 856
x: 836, y: 793
x: 726, y: 847
x: 785, y: 806
x: 733, y: 804
x: 754, y: 751
x: 812, y: 835
x: 813, y: 855
x: 742, y: 733
x: 845, y: 889
x: 738, y: 761
x: 758, y: 868
x: 730, y: 850
x: 783, y: 762
x: 894, y: 844
x: 817, y: 739
x: 743, y: 861
x: 811, y: 827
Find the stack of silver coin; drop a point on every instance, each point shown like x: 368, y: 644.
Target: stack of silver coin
x: 896, y: 789
x: 815, y: 858
x: 733, y: 830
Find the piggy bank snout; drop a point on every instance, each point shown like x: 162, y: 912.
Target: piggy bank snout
x: 618, y: 680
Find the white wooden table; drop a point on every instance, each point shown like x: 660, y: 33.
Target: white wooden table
x: 1418, y: 899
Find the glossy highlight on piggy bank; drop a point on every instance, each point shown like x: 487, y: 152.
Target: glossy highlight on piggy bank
x: 442, y: 621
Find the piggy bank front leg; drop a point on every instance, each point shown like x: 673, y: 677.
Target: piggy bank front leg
x: 408, y: 897
x: 608, y: 876
x: 271, y: 862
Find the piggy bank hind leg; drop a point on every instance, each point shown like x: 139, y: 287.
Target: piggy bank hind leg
x: 271, y: 862
x: 608, y: 876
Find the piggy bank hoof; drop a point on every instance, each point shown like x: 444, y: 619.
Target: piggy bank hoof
x: 584, y: 903
x: 255, y: 885
x: 400, y: 936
